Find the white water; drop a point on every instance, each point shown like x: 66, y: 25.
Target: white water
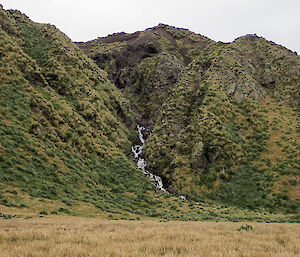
x: 137, y: 151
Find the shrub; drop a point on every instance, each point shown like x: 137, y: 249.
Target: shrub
x: 293, y: 181
x: 245, y: 227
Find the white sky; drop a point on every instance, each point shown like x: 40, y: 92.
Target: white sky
x: 220, y: 20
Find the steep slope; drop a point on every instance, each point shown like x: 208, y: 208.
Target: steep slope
x: 217, y: 122
x: 65, y: 129
x: 221, y: 124
x: 223, y: 117
x: 146, y: 64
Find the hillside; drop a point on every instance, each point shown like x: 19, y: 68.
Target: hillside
x: 222, y: 118
x: 221, y: 125
x: 65, y: 129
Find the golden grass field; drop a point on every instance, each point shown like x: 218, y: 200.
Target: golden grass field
x: 74, y: 236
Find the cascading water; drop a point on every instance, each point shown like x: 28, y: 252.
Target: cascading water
x: 137, y: 151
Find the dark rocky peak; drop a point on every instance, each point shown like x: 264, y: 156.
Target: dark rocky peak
x: 118, y: 37
x: 122, y: 61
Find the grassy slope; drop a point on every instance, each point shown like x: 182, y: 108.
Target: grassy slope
x: 62, y: 132
x: 236, y: 133
x: 228, y: 128
x: 64, y: 140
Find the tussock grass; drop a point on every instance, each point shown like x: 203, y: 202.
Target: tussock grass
x: 70, y: 236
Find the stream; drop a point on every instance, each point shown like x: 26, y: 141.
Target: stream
x: 137, y: 151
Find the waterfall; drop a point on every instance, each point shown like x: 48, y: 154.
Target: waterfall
x: 137, y: 151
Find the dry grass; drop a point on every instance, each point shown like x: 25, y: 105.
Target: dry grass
x: 73, y: 236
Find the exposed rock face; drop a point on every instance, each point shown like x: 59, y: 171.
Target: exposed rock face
x: 267, y: 79
x: 198, y: 157
x: 121, y: 64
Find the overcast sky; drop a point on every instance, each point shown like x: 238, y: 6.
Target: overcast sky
x: 220, y: 20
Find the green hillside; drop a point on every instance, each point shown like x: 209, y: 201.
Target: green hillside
x: 224, y: 118
x: 65, y: 129
x: 221, y: 120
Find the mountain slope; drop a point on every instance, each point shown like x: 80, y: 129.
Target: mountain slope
x: 62, y: 127
x: 221, y: 124
x: 223, y: 117
x: 145, y: 64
